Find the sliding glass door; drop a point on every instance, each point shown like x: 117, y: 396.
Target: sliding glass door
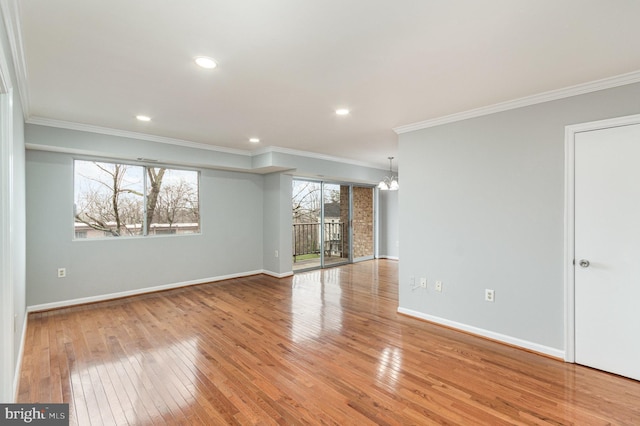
x: 306, y: 203
x: 333, y: 224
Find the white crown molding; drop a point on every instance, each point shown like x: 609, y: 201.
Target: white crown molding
x: 552, y: 95
x: 11, y: 14
x: 132, y: 135
x: 313, y: 155
x: 41, y: 121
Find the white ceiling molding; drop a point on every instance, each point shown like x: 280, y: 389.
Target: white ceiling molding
x: 133, y: 135
x: 76, y: 74
x: 552, y: 95
x: 313, y: 155
x: 11, y: 14
x: 91, y: 155
x: 41, y: 121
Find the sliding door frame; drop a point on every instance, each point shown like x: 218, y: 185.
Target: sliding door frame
x: 347, y: 227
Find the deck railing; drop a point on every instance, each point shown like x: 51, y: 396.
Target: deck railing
x: 306, y: 239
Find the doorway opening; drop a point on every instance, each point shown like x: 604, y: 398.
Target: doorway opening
x: 333, y: 224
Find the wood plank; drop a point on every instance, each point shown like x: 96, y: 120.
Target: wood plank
x: 322, y: 347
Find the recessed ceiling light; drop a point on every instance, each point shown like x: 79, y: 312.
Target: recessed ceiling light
x: 143, y: 118
x: 205, y: 62
x: 254, y: 140
x: 342, y: 111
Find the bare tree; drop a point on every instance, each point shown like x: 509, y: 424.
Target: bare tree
x: 333, y: 196
x: 177, y: 203
x: 111, y: 197
x: 305, y: 202
x: 109, y: 205
x: 154, y: 176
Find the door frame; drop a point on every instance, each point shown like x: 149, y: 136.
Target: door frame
x: 569, y: 220
x: 322, y: 183
x: 7, y: 320
x: 349, y: 225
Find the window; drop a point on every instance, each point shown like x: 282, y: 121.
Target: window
x: 114, y: 199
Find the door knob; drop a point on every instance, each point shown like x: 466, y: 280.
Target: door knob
x: 584, y: 263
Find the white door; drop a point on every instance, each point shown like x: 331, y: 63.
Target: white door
x: 607, y: 249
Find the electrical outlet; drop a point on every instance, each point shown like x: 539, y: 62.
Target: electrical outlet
x: 489, y: 295
x: 438, y: 285
x: 423, y: 282
x: 62, y: 272
x: 277, y: 254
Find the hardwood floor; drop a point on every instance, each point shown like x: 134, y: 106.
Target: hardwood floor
x: 322, y: 347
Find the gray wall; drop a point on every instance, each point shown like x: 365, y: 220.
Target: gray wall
x: 482, y: 207
x: 246, y: 217
x: 230, y: 242
x: 81, y: 142
x: 327, y: 170
x: 277, y: 223
x: 127, y: 148
x: 389, y: 236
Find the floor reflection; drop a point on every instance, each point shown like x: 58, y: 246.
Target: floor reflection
x: 315, y: 304
x: 323, y: 347
x: 389, y: 367
x: 137, y: 380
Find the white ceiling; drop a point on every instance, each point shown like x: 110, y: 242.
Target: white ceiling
x: 286, y: 65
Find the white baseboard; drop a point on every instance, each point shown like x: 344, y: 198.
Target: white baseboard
x: 383, y: 256
x: 110, y: 296
x: 535, y: 347
x: 277, y: 275
x: 363, y: 258
x: 16, y: 378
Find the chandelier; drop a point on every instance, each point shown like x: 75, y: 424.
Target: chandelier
x: 389, y: 183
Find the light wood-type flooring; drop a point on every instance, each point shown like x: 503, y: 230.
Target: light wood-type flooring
x: 322, y: 347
